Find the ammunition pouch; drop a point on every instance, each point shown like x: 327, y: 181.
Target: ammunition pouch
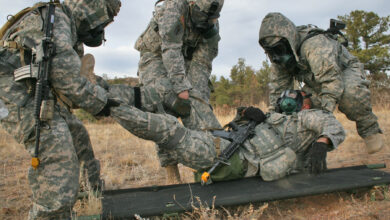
x: 276, y: 158
x: 47, y: 110
x: 278, y: 164
x: 150, y: 40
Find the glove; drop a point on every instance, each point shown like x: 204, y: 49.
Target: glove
x: 254, y: 114
x: 106, y: 110
x: 182, y: 107
x: 316, y: 158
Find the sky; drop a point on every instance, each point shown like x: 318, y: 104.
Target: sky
x: 239, y: 27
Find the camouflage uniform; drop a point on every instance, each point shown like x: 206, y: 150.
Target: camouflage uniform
x: 330, y: 73
x: 175, y: 57
x: 64, y: 141
x: 276, y: 149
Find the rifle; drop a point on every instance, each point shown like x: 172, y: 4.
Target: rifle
x: 42, y: 88
x: 237, y: 135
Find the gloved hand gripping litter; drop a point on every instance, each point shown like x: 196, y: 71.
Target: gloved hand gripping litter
x: 316, y: 158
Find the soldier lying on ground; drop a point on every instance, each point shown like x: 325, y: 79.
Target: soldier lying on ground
x: 280, y: 144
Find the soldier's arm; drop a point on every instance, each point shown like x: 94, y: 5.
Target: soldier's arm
x: 322, y: 57
x: 324, y: 124
x: 280, y: 80
x: 65, y: 70
x: 171, y: 30
x: 200, y: 67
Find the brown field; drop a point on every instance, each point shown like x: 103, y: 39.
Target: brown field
x: 127, y: 161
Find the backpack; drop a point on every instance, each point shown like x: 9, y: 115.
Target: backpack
x: 333, y: 31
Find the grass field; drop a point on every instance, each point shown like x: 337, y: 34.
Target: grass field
x: 128, y: 161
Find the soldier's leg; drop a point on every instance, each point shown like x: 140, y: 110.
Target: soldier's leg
x: 355, y: 103
x: 195, y: 149
x: 89, y: 165
x: 152, y: 73
x: 202, y: 116
x: 55, y: 183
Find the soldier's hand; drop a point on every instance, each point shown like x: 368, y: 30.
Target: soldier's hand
x: 316, y: 158
x: 106, y: 110
x: 184, y: 95
x: 254, y: 114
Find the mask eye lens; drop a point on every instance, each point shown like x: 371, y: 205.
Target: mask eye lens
x: 279, y: 49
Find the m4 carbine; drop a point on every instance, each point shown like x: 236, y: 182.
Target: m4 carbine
x: 237, y: 135
x: 42, y: 89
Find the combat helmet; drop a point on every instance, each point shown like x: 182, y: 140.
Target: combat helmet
x: 91, y: 17
x: 203, y: 14
x: 210, y: 7
x: 274, y: 27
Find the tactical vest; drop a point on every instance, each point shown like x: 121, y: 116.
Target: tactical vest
x: 9, y: 26
x: 150, y: 40
x: 274, y: 154
x: 27, y: 69
x: 271, y: 149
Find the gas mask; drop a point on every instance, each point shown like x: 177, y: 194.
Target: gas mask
x: 290, y: 101
x: 281, y: 53
x: 204, y: 21
x: 91, y: 38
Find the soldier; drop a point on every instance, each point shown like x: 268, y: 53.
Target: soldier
x: 329, y: 72
x: 177, y: 49
x: 281, y: 144
x: 64, y: 141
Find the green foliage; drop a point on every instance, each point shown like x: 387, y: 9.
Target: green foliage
x: 246, y: 87
x: 369, y: 39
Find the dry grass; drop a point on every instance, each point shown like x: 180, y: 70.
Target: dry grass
x: 128, y: 161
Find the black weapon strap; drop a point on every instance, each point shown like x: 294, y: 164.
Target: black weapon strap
x: 137, y: 97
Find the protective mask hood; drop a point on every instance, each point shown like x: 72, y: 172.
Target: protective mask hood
x: 276, y: 26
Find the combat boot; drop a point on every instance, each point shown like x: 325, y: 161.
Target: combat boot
x: 173, y: 175
x: 374, y: 143
x: 87, y: 68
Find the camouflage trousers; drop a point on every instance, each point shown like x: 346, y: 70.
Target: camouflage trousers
x: 192, y: 148
x: 196, y: 149
x: 355, y: 101
x: 152, y: 73
x: 64, y: 144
